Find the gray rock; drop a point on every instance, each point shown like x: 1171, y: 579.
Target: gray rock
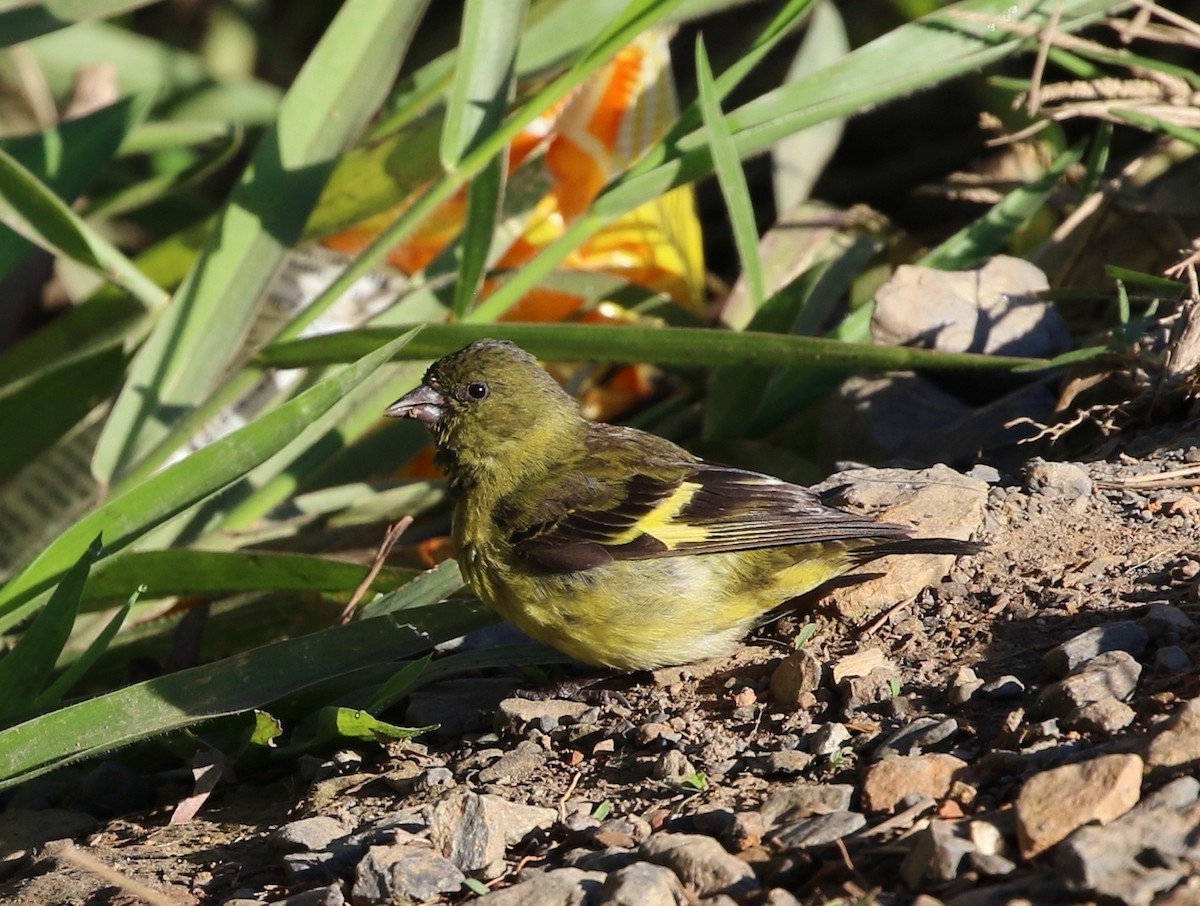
x: 992, y: 864
x: 923, y: 734
x: 1123, y: 635
x: 1145, y: 852
x: 963, y: 685
x: 747, y: 829
x: 1054, y: 804
x: 517, y: 713
x: 879, y: 685
x: 605, y: 860
x: 1057, y: 479
x: 632, y: 826
x: 512, y: 767
x: 802, y: 800
x: 392, y: 827
x: 320, y: 896
x: 992, y: 309
x: 474, y: 830
x: 945, y: 503
x: 1177, y: 743
x: 1111, y: 675
x: 1171, y: 659
x: 1003, y: 687
x: 984, y: 473
x: 641, y: 884
x: 1104, y: 716
x: 936, y: 855
x: 828, y: 738
x: 888, y: 784
x: 561, y: 887
x: 1166, y: 622
x: 818, y: 830
x: 325, y: 865
x: 796, y: 674
x: 701, y: 863
x: 432, y: 779
x: 309, y: 834
x: 673, y: 767
x: 403, y: 873
x: 785, y: 763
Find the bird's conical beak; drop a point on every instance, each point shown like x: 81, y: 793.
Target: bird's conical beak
x: 424, y: 404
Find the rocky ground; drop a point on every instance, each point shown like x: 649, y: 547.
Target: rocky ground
x: 1024, y: 728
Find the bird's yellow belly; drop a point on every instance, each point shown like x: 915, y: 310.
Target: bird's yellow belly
x: 668, y: 611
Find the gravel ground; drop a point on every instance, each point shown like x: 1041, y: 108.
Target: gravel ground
x: 1024, y: 727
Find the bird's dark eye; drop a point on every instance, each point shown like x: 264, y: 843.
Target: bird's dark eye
x: 477, y: 390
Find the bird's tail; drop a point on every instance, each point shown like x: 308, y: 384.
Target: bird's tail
x: 876, y: 549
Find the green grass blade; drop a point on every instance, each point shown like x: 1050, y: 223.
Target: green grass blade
x: 341, y: 85
x: 231, y: 686
x: 134, y: 512
x: 950, y: 42
x: 197, y: 572
x: 682, y: 346
x: 180, y: 83
x: 68, y: 679
x: 28, y: 22
x: 731, y: 178
x: 483, y: 79
x: 33, y: 211
x: 52, y: 402
x: 67, y: 158
x: 975, y: 243
x: 431, y: 586
x: 26, y: 670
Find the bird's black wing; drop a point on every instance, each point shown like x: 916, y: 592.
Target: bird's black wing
x: 683, y: 508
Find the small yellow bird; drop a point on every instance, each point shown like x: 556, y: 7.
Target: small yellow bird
x: 617, y: 547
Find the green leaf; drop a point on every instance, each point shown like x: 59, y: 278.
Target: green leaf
x: 79, y: 668
x: 172, y: 573
x: 988, y: 235
x: 26, y: 670
x: 29, y: 21
x: 399, y: 685
x: 30, y: 209
x: 267, y: 729
x: 954, y: 40
x: 181, y: 85
x: 430, y: 587
x: 237, y: 684
x: 67, y: 158
x: 484, y: 76
x: 132, y: 513
x: 191, y: 348
x: 731, y: 178
x: 1153, y: 282
x: 684, y: 346
x: 799, y: 159
x: 335, y: 724
x: 52, y: 402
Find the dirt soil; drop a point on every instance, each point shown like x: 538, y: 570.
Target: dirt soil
x: 720, y: 750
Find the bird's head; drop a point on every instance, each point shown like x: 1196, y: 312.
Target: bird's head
x: 488, y: 404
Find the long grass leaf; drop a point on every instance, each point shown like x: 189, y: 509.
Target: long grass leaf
x: 683, y: 346
x: 26, y: 670
x: 340, y: 86
x: 136, y: 511
x: 237, y: 684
